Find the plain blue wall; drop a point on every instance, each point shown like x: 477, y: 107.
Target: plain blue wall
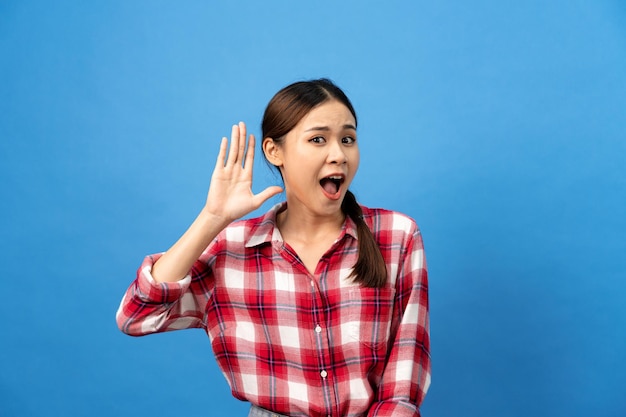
x: 499, y: 126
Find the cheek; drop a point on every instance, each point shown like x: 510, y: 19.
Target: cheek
x: 355, y: 160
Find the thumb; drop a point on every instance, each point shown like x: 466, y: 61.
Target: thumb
x: 266, y: 194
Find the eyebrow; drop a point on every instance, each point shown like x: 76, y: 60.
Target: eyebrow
x: 326, y: 128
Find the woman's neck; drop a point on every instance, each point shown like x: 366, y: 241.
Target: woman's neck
x: 300, y: 224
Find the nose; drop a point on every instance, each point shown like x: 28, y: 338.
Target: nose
x: 336, y: 153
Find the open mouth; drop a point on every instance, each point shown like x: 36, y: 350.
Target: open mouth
x: 332, y: 184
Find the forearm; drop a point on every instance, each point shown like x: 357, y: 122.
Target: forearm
x: 178, y: 260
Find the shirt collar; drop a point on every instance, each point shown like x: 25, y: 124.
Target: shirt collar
x: 265, y: 230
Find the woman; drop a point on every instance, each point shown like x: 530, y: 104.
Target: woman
x: 320, y: 306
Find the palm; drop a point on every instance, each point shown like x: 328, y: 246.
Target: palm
x: 230, y: 193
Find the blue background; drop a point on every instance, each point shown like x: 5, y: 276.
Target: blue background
x: 498, y: 125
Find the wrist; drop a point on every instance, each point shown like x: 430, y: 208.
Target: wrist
x: 209, y: 218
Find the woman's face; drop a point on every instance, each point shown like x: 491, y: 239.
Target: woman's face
x: 318, y: 158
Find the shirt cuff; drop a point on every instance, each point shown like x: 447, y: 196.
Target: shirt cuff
x: 150, y: 291
x: 393, y: 409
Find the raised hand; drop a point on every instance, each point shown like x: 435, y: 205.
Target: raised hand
x: 230, y: 197
x: 230, y: 193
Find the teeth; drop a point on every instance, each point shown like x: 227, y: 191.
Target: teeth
x: 335, y: 177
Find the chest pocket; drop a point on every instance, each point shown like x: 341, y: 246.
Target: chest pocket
x: 369, y: 314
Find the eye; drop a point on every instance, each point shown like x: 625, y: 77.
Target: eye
x: 348, y: 140
x: 317, y: 139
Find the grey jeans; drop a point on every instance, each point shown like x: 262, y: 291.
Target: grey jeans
x: 261, y: 412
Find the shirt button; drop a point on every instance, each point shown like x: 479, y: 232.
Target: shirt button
x: 318, y: 329
x: 324, y: 374
x: 312, y: 283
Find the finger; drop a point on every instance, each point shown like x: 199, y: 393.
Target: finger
x: 242, y: 143
x: 248, y: 163
x: 266, y: 194
x: 221, y: 156
x: 234, y: 146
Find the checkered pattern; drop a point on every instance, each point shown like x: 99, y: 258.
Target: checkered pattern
x: 296, y: 343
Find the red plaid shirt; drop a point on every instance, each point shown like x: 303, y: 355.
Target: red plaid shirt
x: 298, y: 343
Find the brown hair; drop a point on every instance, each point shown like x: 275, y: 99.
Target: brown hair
x: 282, y: 114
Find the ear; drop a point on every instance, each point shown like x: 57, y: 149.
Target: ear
x: 272, y: 152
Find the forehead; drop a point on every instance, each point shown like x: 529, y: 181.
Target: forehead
x: 328, y: 114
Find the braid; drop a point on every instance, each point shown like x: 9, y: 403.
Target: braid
x: 370, y: 269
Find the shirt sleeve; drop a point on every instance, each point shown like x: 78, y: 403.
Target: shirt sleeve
x: 153, y: 307
x: 406, y: 377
